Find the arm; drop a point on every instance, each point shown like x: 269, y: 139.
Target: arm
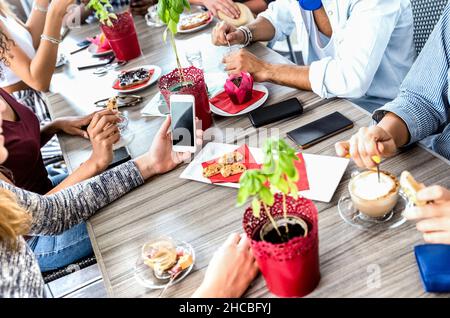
x: 226, y: 6
x: 36, y: 21
x: 37, y: 72
x: 360, y: 49
x: 256, y: 6
x: 53, y: 214
x: 423, y: 99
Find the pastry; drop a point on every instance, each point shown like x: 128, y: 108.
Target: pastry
x: 132, y: 78
x: 211, y: 170
x: 111, y: 104
x: 237, y: 168
x: 193, y: 21
x: 226, y: 170
x: 410, y: 187
x: 230, y: 158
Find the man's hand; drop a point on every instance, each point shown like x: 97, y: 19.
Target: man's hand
x: 368, y: 142
x: 227, y: 7
x: 223, y: 32
x: 433, y: 218
x: 244, y: 61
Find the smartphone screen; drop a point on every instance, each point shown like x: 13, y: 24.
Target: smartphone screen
x: 318, y: 130
x: 183, y: 130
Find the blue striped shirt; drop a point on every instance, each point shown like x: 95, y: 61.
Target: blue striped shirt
x: 423, y: 102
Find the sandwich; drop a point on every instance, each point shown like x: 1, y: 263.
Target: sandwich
x: 411, y: 187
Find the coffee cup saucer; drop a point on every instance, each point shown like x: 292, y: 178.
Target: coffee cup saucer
x: 355, y: 218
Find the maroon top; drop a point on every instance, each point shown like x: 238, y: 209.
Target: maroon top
x: 23, y: 142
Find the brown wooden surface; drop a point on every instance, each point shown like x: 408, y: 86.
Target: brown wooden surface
x: 204, y: 215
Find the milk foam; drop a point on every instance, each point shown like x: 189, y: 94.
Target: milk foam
x: 366, y: 185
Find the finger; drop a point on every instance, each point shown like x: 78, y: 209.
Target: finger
x: 434, y: 225
x: 365, y: 157
x: 342, y: 149
x: 80, y: 132
x: 180, y: 157
x: 354, y: 151
x: 233, y: 37
x: 199, y: 139
x: 225, y: 10
x: 437, y: 237
x: 87, y: 119
x: 105, y: 121
x: 98, y: 115
x: 244, y: 242
x: 113, y: 139
x: 164, y: 129
x: 108, y: 132
x: 434, y: 193
x: 232, y: 239
x: 425, y: 212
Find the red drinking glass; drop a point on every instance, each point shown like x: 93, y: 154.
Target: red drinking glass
x: 290, y: 269
x: 122, y: 37
x: 191, y: 83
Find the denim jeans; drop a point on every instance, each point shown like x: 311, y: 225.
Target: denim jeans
x: 53, y: 252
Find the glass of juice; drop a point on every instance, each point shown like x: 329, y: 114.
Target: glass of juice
x: 122, y: 36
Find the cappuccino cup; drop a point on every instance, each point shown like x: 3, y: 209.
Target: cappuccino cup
x: 371, y: 197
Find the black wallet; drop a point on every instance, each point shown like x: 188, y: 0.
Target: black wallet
x: 270, y: 114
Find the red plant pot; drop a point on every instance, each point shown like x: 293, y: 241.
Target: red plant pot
x: 173, y: 84
x: 122, y: 37
x: 290, y: 269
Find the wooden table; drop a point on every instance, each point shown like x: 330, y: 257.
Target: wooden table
x: 204, y: 215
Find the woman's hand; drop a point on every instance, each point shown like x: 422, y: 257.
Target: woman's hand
x: 433, y: 218
x: 227, y: 7
x: 74, y: 125
x: 230, y: 271
x: 368, y: 142
x: 103, y: 133
x: 60, y: 6
x: 160, y: 158
x: 244, y: 61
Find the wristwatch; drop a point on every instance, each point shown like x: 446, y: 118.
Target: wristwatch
x: 310, y: 5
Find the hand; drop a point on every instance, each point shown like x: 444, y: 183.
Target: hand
x: 368, y: 142
x: 230, y: 271
x: 160, y: 158
x: 244, y: 61
x: 227, y: 7
x: 223, y: 32
x: 73, y: 125
x: 103, y: 133
x: 140, y: 7
x: 60, y: 7
x: 434, y: 218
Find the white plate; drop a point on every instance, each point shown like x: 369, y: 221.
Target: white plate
x: 93, y: 50
x: 197, y: 28
x: 153, y: 79
x: 258, y: 87
x: 324, y: 172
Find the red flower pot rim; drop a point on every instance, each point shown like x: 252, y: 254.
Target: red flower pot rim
x: 301, y: 207
x: 191, y: 74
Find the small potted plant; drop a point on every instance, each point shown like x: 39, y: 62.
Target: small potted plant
x: 181, y: 80
x: 281, y: 225
x: 118, y: 28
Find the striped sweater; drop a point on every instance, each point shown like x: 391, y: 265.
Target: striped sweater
x: 53, y: 214
x: 423, y: 102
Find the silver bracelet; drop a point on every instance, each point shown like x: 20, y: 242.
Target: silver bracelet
x: 247, y: 34
x: 50, y: 39
x: 40, y: 8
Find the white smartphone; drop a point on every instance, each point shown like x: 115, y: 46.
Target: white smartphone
x: 182, y: 111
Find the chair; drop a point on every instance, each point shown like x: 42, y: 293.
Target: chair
x: 426, y: 14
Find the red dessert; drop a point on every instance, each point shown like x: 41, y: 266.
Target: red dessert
x: 239, y: 88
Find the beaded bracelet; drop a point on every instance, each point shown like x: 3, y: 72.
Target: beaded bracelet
x: 247, y: 35
x: 50, y: 39
x: 40, y: 8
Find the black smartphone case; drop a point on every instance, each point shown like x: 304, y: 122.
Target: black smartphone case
x: 270, y: 114
x: 321, y: 129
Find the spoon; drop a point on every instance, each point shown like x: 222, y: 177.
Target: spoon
x: 375, y: 159
x: 101, y: 71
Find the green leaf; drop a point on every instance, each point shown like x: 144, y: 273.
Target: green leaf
x: 186, y: 4
x: 242, y: 196
x: 293, y: 189
x: 266, y: 196
x: 282, y: 185
x: 174, y: 16
x: 172, y: 26
x: 256, y: 207
x: 165, y: 35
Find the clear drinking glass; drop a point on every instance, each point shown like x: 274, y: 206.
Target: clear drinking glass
x: 194, y: 57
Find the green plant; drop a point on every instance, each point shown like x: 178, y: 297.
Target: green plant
x: 279, y: 171
x: 102, y: 11
x: 169, y: 12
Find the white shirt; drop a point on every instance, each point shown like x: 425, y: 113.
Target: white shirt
x: 22, y: 38
x: 370, y: 52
